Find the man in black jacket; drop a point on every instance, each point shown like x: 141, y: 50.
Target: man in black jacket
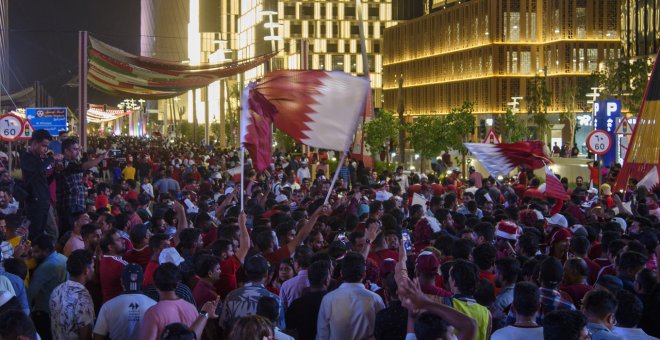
x: 37, y: 168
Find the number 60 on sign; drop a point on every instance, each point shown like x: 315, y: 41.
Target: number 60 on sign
x: 11, y: 127
x: 599, y: 142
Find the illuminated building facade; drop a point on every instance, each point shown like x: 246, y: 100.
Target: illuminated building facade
x: 329, y: 27
x: 488, y: 51
x: 640, y: 27
x: 195, y: 32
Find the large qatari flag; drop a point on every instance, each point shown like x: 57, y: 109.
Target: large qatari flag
x: 644, y: 147
x: 501, y: 159
x: 316, y: 108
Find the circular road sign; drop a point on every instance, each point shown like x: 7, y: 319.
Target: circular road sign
x: 599, y: 142
x: 11, y: 127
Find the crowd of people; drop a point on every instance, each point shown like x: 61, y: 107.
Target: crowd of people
x: 146, y: 239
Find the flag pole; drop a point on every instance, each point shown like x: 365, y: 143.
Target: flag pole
x: 242, y: 173
x: 336, y: 175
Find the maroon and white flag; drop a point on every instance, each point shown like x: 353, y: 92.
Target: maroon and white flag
x: 501, y: 159
x: 553, y: 186
x: 651, y: 179
x: 316, y: 108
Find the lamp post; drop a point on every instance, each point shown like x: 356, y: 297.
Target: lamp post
x: 592, y: 100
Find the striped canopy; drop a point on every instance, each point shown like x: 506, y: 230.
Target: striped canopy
x: 117, y: 72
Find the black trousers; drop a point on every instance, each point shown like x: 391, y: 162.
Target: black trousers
x: 42, y: 324
x: 37, y: 213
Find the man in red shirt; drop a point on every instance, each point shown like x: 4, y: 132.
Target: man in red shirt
x: 157, y: 243
x: 264, y: 240
x: 111, y: 264
x: 231, y: 261
x: 141, y: 253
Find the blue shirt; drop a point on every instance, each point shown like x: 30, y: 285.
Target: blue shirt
x: 48, y: 275
x: 600, y: 332
x: 19, y: 289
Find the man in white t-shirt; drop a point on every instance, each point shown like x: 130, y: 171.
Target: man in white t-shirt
x: 526, y: 303
x: 120, y: 317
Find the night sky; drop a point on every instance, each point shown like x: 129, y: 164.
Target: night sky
x: 43, y: 41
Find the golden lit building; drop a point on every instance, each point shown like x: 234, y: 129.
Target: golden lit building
x: 195, y: 32
x: 488, y: 51
x: 329, y: 27
x: 640, y: 27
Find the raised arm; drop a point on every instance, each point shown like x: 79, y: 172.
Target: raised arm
x: 244, y: 238
x: 307, y: 228
x: 370, y: 234
x: 94, y: 162
x: 412, y: 297
x: 181, y: 218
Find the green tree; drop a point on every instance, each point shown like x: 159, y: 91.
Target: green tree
x: 284, y: 142
x: 379, y: 131
x: 624, y: 80
x: 514, y: 128
x: 538, y: 100
x: 185, y: 131
x: 459, y: 126
x: 569, y: 117
x: 426, y: 136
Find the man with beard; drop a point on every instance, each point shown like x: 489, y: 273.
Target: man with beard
x: 111, y: 264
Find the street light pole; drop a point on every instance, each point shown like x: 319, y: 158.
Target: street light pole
x: 593, y: 95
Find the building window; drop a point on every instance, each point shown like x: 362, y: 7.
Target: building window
x: 355, y: 30
x: 349, y: 12
x: 371, y: 59
x: 332, y: 47
x: 296, y: 29
x: 337, y: 62
x: 512, y: 31
x: 307, y: 11
x: 592, y: 59
x: 581, y: 19
x: 289, y: 10
x: 374, y: 12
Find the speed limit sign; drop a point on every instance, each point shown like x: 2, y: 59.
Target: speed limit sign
x: 11, y: 127
x: 599, y: 142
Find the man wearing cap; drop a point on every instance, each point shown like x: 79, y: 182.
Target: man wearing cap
x: 111, y: 264
x: 243, y: 301
x: 426, y: 268
x: 506, y: 235
x: 120, y: 317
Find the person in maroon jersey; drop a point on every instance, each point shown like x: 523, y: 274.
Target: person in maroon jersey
x: 111, y: 264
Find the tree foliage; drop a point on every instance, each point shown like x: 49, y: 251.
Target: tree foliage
x: 459, y: 126
x: 426, y: 136
x: 430, y: 135
x: 284, y: 142
x: 625, y: 80
x: 568, y: 117
x: 514, y: 128
x: 382, y: 129
x: 538, y: 100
